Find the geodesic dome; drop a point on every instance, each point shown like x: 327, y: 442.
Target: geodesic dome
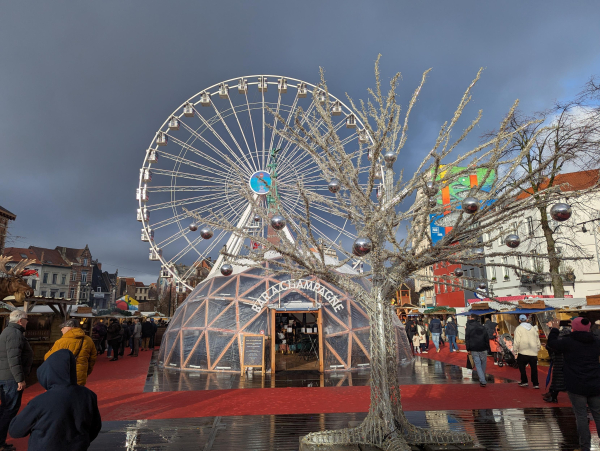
x: 206, y: 331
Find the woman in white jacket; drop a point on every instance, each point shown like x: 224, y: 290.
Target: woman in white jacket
x: 526, y: 347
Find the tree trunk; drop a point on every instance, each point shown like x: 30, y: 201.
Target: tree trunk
x: 385, y: 426
x: 558, y: 288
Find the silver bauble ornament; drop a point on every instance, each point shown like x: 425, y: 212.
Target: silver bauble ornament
x: 560, y: 212
x: 470, y: 205
x: 362, y: 246
x: 512, y: 241
x: 458, y: 272
x: 257, y: 218
x: 482, y: 285
x: 431, y: 189
x: 334, y: 186
x: 193, y: 226
x: 390, y: 157
x: 206, y: 233
x: 278, y: 222
x: 226, y: 269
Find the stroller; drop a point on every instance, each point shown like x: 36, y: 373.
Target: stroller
x: 506, y: 343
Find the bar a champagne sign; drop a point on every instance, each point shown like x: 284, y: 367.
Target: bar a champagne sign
x: 299, y: 284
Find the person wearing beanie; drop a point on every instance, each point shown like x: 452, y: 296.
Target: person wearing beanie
x: 581, y: 351
x: 526, y: 347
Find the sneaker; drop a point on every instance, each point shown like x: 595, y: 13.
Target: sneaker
x: 495, y: 363
x: 536, y: 386
x: 524, y: 384
x: 425, y: 352
x: 482, y: 384
x: 438, y: 350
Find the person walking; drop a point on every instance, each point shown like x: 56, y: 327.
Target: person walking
x: 75, y: 340
x: 557, y: 381
x: 526, y: 347
x: 411, y: 329
x: 153, y: 335
x: 423, y: 338
x: 478, y: 346
x: 492, y: 330
x: 451, y: 333
x: 66, y: 416
x: 113, y: 336
x: 146, y: 334
x: 416, y: 342
x: 125, y: 341
x: 581, y: 351
x: 16, y: 357
x: 137, y: 333
x: 435, y: 327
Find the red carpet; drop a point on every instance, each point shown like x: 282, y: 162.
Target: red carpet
x: 119, y: 386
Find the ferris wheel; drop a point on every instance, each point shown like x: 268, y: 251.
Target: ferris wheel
x: 189, y: 165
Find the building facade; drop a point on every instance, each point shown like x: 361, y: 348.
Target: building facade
x: 53, y: 275
x: 80, y: 281
x: 103, y: 294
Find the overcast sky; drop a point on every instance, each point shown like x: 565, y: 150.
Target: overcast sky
x: 85, y: 85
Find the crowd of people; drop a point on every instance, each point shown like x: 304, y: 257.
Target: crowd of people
x: 115, y: 337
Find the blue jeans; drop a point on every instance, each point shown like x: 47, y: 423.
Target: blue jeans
x: 436, y: 340
x: 580, y: 404
x: 480, y: 360
x: 452, y: 342
x: 10, y: 399
x: 109, y: 349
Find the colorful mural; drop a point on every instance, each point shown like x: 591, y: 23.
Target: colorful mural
x: 457, y: 190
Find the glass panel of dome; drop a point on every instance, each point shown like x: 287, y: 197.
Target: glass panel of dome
x: 363, y: 336
x: 359, y: 318
x: 198, y: 318
x: 227, y: 320
x: 259, y: 324
x: 294, y: 301
x: 176, y: 321
x: 233, y: 355
x: 245, y: 313
x: 246, y: 283
x: 342, y: 313
x: 199, y: 361
x: 161, y: 352
x: 217, y: 343
x: 190, y: 338
x: 203, y: 290
x: 223, y: 286
x: 215, y: 307
x: 255, y: 271
x: 331, y: 325
x: 358, y: 355
x: 338, y: 353
x: 174, y: 359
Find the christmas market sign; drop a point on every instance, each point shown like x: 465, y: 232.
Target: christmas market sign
x: 299, y: 284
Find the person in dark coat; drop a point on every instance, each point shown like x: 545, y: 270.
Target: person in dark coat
x: 154, y: 331
x: 411, y: 329
x: 99, y: 336
x: 581, y: 351
x: 146, y: 334
x: 435, y: 327
x: 451, y: 333
x: 557, y: 383
x: 66, y: 416
x: 16, y: 357
x: 113, y: 336
x: 125, y: 335
x: 477, y: 341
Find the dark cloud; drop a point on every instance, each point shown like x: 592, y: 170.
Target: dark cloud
x: 84, y: 86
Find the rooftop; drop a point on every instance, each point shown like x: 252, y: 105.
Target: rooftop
x: 572, y: 181
x: 7, y: 214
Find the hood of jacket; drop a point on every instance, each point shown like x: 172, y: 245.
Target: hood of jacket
x: 58, y: 370
x: 582, y: 337
x: 16, y: 326
x: 526, y: 326
x: 75, y: 333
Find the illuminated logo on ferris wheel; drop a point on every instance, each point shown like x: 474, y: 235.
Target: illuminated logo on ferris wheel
x: 260, y: 182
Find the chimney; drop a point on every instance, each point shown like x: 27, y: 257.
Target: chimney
x: 99, y: 265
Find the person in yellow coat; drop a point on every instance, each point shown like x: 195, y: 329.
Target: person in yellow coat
x: 75, y: 340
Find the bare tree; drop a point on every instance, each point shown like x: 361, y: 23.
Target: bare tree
x: 377, y: 213
x: 562, y: 139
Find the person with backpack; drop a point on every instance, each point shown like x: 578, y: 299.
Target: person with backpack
x: 435, y: 326
x: 83, y: 348
x: 113, y: 337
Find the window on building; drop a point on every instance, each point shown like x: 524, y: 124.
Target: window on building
x: 74, y: 276
x: 45, y: 278
x: 54, y: 279
x: 472, y: 282
x: 85, y: 262
x: 63, y: 279
x: 99, y: 289
x: 505, y: 270
x: 72, y: 295
x: 43, y: 294
x: 53, y: 294
x: 61, y: 294
x: 83, y: 276
x: 34, y: 283
x: 23, y: 255
x: 492, y: 269
x: 529, y: 225
x: 500, y: 236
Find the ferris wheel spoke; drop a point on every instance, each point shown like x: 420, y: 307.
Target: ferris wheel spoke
x: 305, y: 117
x: 249, y: 165
x: 198, y: 152
x: 179, y: 216
x: 182, y: 202
x: 275, y: 121
x: 202, y: 255
x: 193, y: 164
x: 263, y: 127
x: 251, y: 124
x: 192, y: 246
x: 243, y: 134
x: 327, y: 222
x: 289, y: 116
x: 185, y: 175
x: 183, y: 189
